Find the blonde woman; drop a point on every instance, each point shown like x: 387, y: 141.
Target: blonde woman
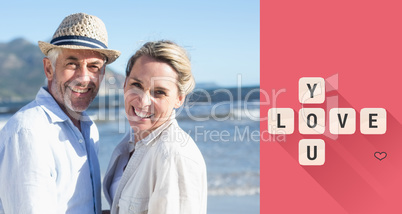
x: 157, y: 168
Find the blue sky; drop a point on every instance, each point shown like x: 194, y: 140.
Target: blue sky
x: 222, y: 36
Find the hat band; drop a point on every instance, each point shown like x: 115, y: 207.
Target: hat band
x: 78, y: 40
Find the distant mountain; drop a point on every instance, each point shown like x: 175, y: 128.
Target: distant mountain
x: 21, y: 72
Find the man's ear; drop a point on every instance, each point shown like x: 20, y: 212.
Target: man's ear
x: 180, y: 100
x: 47, y: 67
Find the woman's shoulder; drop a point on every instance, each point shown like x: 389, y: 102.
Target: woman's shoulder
x: 174, y: 142
x: 175, y: 134
x: 125, y: 145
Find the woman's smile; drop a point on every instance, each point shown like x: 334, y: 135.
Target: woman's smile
x: 142, y: 114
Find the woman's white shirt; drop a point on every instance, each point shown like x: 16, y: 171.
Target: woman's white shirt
x: 166, y: 174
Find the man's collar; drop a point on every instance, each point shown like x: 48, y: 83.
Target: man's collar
x: 46, y: 101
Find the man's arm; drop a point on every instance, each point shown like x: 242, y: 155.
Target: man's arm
x: 28, y: 184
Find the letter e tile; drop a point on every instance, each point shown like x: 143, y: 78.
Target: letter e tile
x: 373, y: 121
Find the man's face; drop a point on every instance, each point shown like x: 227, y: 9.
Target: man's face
x: 75, y: 81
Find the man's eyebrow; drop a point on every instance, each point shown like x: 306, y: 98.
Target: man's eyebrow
x: 72, y: 58
x: 96, y: 62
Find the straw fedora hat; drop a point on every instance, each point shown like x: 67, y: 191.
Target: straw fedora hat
x: 81, y: 31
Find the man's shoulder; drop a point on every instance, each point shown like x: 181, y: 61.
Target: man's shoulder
x: 28, y: 122
x: 31, y: 116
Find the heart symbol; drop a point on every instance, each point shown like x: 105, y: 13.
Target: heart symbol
x: 380, y: 155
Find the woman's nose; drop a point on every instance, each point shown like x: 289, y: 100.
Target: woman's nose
x: 145, y: 99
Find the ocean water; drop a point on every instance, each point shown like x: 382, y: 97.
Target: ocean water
x: 227, y: 135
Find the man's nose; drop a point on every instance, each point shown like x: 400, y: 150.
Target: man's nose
x: 84, y: 74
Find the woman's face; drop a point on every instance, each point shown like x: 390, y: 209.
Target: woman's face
x: 150, y: 94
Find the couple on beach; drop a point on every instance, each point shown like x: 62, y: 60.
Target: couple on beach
x: 48, y: 149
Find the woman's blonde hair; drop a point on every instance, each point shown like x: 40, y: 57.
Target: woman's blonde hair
x: 172, y: 54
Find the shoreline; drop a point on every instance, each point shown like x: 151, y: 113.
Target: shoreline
x: 227, y: 204
x: 224, y: 204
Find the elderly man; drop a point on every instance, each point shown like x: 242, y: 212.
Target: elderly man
x: 48, y: 149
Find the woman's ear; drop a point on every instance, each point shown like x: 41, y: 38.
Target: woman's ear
x: 47, y: 67
x: 180, y: 100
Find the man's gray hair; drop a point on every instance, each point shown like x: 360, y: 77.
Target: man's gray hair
x: 52, y: 55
